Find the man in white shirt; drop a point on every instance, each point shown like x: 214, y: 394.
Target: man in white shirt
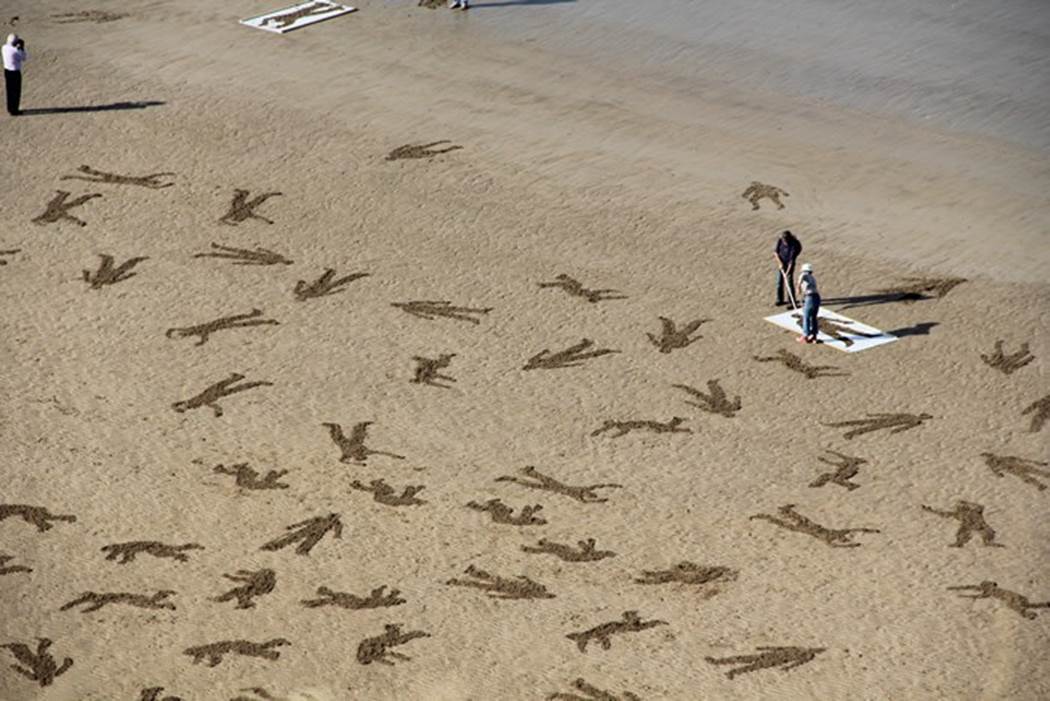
x: 14, y: 54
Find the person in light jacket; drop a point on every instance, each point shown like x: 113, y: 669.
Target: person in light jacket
x: 14, y: 55
x: 807, y: 290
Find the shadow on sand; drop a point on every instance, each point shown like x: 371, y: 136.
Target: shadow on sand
x: 922, y: 329
x: 94, y: 108
x: 873, y: 299
x: 511, y: 3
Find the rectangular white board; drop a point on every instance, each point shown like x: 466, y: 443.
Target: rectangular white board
x: 836, y: 330
x: 296, y: 16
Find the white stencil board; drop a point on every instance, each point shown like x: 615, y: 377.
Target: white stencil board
x: 305, y: 13
x: 850, y: 336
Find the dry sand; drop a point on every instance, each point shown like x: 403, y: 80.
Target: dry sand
x: 566, y: 167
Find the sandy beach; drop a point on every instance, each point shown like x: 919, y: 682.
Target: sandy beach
x: 253, y: 442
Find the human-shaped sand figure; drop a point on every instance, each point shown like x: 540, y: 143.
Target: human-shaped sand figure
x: 971, y: 520
x: 768, y: 656
x: 757, y: 191
x: 990, y: 590
x: 1023, y: 469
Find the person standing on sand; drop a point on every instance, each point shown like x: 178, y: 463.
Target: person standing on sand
x: 786, y: 252
x: 14, y: 55
x: 461, y: 4
x: 807, y: 289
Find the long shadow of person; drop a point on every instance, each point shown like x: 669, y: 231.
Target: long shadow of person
x: 509, y: 3
x: 138, y: 105
x: 872, y: 299
x: 922, y: 329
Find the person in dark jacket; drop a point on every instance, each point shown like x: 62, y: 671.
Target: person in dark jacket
x: 786, y: 252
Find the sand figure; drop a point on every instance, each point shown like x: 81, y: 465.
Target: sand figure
x: 153, y: 693
x: 714, y: 403
x: 37, y: 516
x: 97, y: 176
x: 325, y: 285
x: 96, y: 600
x: 257, y: 693
x: 971, y: 520
x: 8, y: 252
x: 593, y: 693
x: 428, y: 370
x: 622, y: 428
x: 242, y: 209
x: 571, y: 357
x: 385, y: 494
x: 377, y: 649
x: 377, y: 598
x: 796, y: 363
x: 1040, y: 411
x: 1021, y: 468
x: 353, y: 448
x: 914, y: 289
x: 847, y: 468
x: 770, y: 656
x: 290, y: 18
x: 630, y: 623
x: 794, y: 521
x: 671, y: 337
x: 688, y: 573
x: 501, y: 513
x: 576, y: 289
x: 237, y: 321
x: 214, y: 392
x: 585, y: 493
x: 58, y: 209
x: 213, y: 653
x: 248, y: 478
x: 255, y: 584
x: 520, y: 587
x: 38, y: 666
x: 96, y: 16
x: 308, y: 532
x: 758, y: 191
x: 412, y: 151
x: 244, y: 256
x: 1008, y: 363
x: 11, y: 569
x: 1014, y: 601
x: 127, y: 552
x: 881, y: 421
x: 586, y: 551
x: 430, y: 310
x: 839, y: 329
x: 107, y: 274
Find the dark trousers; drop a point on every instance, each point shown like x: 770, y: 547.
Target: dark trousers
x: 13, y: 89
x: 789, y: 270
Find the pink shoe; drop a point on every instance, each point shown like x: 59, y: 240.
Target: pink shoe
x: 802, y: 339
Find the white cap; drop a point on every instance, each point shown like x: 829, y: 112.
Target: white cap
x: 807, y: 267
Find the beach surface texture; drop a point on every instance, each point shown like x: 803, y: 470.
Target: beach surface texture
x: 422, y: 354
